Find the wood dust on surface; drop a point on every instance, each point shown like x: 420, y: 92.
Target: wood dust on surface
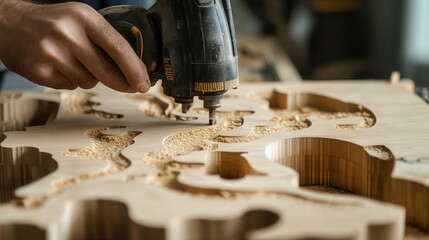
x: 79, y: 102
x: 103, y: 147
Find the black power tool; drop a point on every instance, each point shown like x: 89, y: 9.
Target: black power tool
x: 187, y: 44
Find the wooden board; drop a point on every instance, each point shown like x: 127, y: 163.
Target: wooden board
x: 321, y: 160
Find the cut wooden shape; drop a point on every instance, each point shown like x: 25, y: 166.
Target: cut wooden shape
x: 157, y: 104
x: 366, y: 171
x: 229, y: 165
x: 168, y: 185
x: 103, y: 147
x: 21, y: 166
x: 149, y: 214
x: 237, y: 228
x: 105, y: 219
x: 79, y: 102
x: 198, y: 139
x: 22, y: 231
x: 308, y: 104
x: 16, y: 114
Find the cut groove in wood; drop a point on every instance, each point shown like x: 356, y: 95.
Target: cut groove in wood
x: 105, y: 219
x: 184, y: 142
x: 326, y: 189
x: 237, y: 228
x: 280, y: 124
x: 365, y: 171
x: 79, y: 102
x: 200, y: 139
x: 158, y: 105
x: 22, y: 231
x: 154, y: 106
x: 304, y: 105
x: 171, y: 192
x: 16, y: 114
x: 103, y: 147
x: 21, y: 166
x: 228, y: 165
x: 293, y: 110
x: 170, y: 180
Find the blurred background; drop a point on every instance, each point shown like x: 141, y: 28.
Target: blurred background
x: 291, y: 40
x: 344, y: 39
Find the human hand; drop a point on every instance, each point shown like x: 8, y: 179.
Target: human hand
x: 61, y: 46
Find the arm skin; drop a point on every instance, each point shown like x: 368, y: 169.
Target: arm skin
x: 59, y: 45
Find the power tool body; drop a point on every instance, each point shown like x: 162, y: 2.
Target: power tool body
x: 187, y: 44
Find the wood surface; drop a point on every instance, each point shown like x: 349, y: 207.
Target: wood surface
x: 314, y: 160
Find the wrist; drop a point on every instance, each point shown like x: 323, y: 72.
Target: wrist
x: 12, y: 17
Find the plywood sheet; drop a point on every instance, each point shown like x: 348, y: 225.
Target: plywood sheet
x: 321, y: 160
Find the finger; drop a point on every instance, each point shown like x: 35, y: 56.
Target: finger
x: 76, y: 72
x: 112, y: 42
x: 100, y: 66
x: 57, y: 80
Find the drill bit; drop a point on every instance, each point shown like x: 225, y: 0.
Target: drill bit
x: 211, y: 102
x: 212, y: 116
x: 186, y: 107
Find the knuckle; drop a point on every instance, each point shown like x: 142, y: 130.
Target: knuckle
x: 120, y: 45
x: 82, y: 12
x: 58, y: 29
x: 40, y: 72
x: 78, y: 9
x: 46, y: 51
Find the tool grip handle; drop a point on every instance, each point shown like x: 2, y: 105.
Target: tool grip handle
x: 133, y: 23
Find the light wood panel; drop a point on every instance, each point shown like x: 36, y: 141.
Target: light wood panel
x: 107, y: 165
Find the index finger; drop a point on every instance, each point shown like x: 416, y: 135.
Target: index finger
x: 116, y: 46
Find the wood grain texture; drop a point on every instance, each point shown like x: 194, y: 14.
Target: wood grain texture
x: 105, y: 165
